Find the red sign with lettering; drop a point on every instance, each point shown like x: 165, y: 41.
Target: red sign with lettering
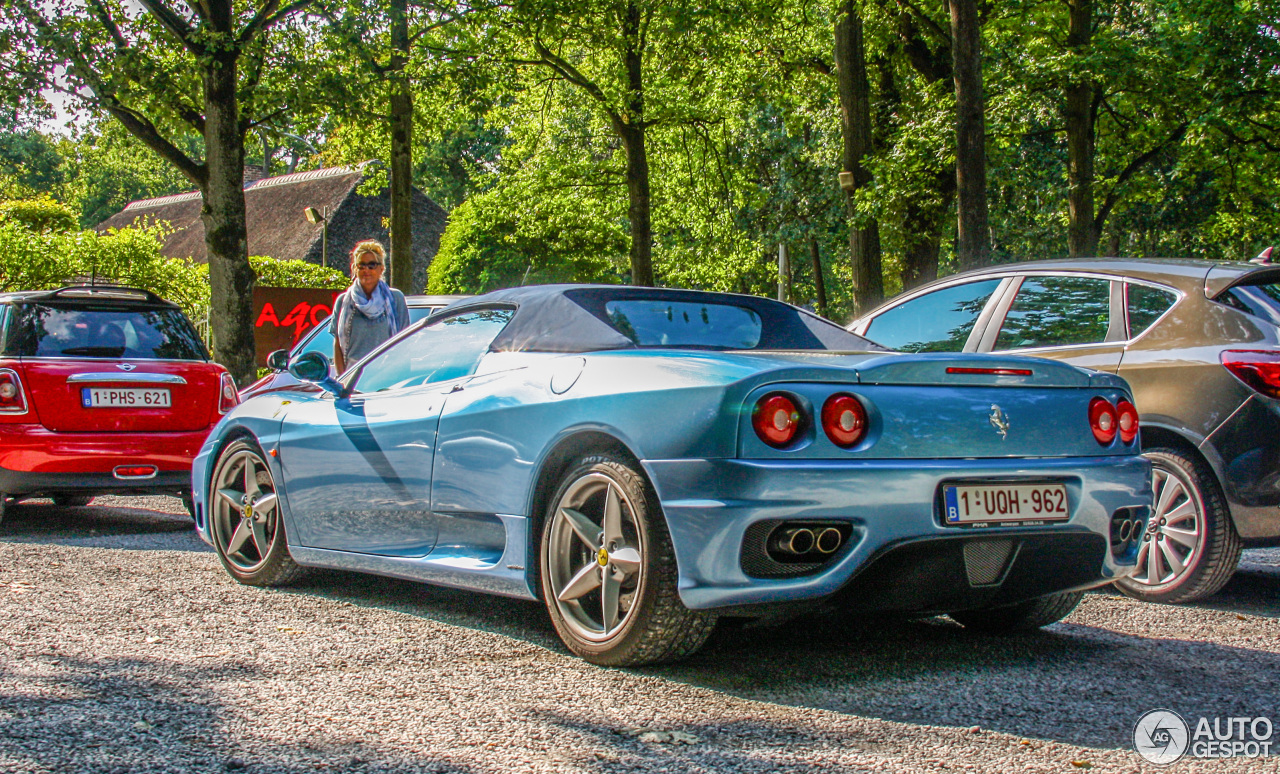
x: 282, y: 316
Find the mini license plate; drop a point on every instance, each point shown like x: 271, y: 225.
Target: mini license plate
x: 1005, y: 502
x: 127, y: 397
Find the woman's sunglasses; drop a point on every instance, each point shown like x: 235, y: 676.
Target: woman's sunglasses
x: 368, y: 265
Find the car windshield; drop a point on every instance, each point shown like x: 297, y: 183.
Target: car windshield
x: 321, y: 340
x: 60, y: 330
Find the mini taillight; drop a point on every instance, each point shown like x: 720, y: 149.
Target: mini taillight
x: 1103, y: 420
x: 1127, y: 420
x: 844, y: 420
x: 777, y: 420
x: 11, y: 397
x: 227, y: 396
x: 1258, y: 368
x: 135, y: 471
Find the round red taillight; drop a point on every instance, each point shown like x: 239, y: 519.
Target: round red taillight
x: 1103, y: 420
x: 776, y: 420
x: 844, y: 420
x: 1127, y: 419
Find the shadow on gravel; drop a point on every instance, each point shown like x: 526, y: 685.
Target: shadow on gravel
x: 1070, y: 683
x: 124, y: 716
x: 100, y: 526
x: 521, y: 619
x: 709, y: 747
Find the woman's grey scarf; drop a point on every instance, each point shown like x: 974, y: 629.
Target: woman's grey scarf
x: 376, y: 306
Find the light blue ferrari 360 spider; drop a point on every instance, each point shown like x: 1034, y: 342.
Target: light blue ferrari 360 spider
x: 647, y: 460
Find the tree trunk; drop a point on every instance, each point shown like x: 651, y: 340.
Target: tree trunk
x: 855, y: 107
x: 819, y: 282
x: 1082, y: 232
x: 633, y: 137
x: 973, y: 241
x: 922, y: 224
x: 401, y: 262
x: 222, y: 211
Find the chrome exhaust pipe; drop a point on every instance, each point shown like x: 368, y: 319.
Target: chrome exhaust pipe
x: 794, y: 541
x: 828, y: 540
x: 1126, y: 530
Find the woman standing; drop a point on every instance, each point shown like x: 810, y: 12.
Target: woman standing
x: 370, y: 311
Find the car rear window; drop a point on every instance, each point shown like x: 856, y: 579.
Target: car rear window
x: 106, y: 331
x: 666, y: 323
x: 1260, y: 300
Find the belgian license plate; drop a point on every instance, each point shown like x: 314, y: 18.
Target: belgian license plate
x: 1005, y: 502
x: 124, y: 397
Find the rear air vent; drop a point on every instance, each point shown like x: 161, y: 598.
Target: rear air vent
x: 985, y: 560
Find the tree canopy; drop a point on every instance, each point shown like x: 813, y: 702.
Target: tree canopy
x: 684, y: 143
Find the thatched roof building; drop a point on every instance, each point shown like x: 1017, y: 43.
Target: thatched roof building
x: 277, y: 227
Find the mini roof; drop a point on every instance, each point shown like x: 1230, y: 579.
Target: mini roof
x: 572, y: 318
x: 122, y: 294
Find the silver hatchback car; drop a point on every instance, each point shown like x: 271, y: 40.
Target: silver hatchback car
x: 1198, y: 341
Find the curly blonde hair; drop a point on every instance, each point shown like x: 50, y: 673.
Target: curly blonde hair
x: 367, y: 247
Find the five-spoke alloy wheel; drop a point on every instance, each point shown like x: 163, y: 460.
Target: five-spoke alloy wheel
x: 609, y: 572
x: 244, y: 519
x: 1190, y: 547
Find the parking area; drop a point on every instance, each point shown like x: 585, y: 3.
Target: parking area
x: 125, y: 647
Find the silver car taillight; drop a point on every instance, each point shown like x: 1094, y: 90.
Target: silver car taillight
x: 1258, y: 368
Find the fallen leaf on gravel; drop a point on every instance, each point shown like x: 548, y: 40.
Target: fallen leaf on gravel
x: 1025, y: 741
x: 289, y: 629
x: 680, y: 737
x: 142, y: 725
x: 1241, y: 617
x: 1082, y: 764
x: 152, y: 640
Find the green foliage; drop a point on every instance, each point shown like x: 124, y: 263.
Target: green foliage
x: 292, y: 273
x: 50, y: 259
x: 38, y: 215
x: 107, y: 168
x: 498, y: 240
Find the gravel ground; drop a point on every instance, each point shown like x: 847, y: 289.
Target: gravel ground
x: 125, y: 648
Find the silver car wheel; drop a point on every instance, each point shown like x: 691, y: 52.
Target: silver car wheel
x: 245, y: 520
x: 595, y: 557
x: 1174, y: 538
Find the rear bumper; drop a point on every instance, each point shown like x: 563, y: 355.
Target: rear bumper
x: 900, y: 555
x: 1247, y: 451
x: 34, y: 460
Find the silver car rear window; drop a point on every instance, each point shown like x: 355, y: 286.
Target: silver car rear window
x: 1260, y: 300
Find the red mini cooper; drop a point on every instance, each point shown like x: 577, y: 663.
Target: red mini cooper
x: 103, y: 390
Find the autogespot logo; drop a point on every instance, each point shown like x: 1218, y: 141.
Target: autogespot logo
x: 1162, y: 737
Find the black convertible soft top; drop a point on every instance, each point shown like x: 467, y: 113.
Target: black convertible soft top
x: 573, y: 318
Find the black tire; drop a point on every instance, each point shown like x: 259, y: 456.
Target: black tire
x: 1021, y: 617
x: 245, y: 522
x: 635, y: 566
x: 1191, y: 524
x: 72, y: 501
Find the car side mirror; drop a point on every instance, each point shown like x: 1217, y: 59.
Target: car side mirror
x: 278, y: 360
x: 313, y: 367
